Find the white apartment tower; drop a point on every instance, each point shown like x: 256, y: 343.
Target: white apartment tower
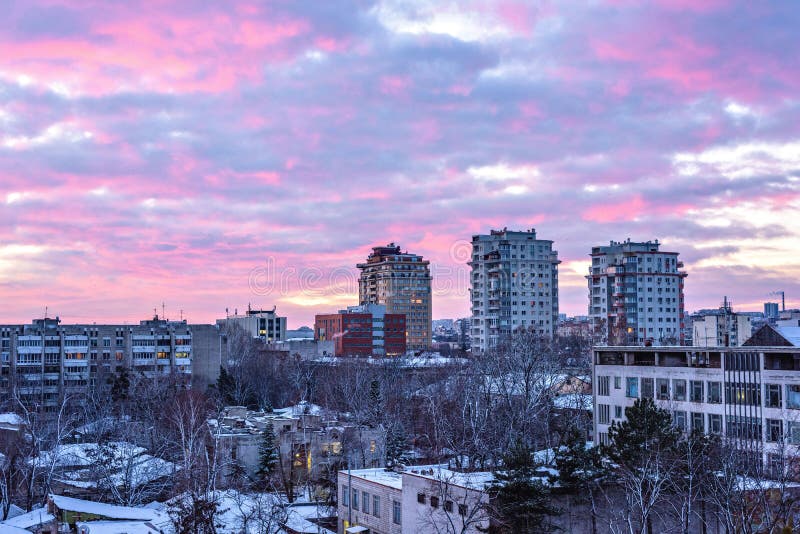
x: 514, y: 285
x: 636, y: 294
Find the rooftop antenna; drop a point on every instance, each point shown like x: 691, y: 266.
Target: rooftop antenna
x: 163, y: 313
x: 45, y: 312
x: 181, y: 315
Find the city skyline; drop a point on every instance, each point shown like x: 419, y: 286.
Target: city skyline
x: 185, y: 154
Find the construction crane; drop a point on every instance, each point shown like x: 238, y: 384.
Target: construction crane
x: 783, y: 298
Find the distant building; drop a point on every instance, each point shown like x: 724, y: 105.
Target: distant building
x: 771, y: 310
x: 401, y: 282
x: 42, y: 362
x: 363, y: 331
x: 788, y: 318
x: 514, y: 285
x: 636, y: 294
x: 266, y: 325
x: 720, y: 328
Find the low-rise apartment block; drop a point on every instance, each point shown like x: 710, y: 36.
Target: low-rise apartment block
x: 42, y: 362
x: 414, y: 500
x: 266, y: 325
x: 749, y: 393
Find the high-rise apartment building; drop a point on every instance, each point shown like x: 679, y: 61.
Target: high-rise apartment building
x: 636, y: 294
x: 514, y: 285
x: 401, y: 282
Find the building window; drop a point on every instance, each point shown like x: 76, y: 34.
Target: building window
x: 617, y: 382
x: 696, y: 391
x: 355, y: 499
x: 715, y: 392
x: 421, y: 498
x: 715, y: 423
x: 793, y: 396
x: 434, y: 501
x: 396, y: 512
x: 376, y: 506
x: 698, y: 425
x: 602, y: 386
x: 618, y: 412
x: 345, y: 496
x: 462, y: 509
x: 663, y: 388
x: 448, y: 506
x: 647, y: 388
x: 679, y: 419
x: 365, y: 502
x: 774, y: 430
x: 679, y: 389
x: 632, y: 387
x: 603, y: 411
x: 772, y: 397
x: 793, y: 432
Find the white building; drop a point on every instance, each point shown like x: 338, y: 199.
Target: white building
x: 417, y: 500
x: 514, y: 284
x: 263, y: 324
x: 720, y: 328
x: 751, y: 393
x: 636, y: 294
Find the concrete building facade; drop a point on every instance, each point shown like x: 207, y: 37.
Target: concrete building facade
x: 636, y: 294
x: 266, y: 325
x: 514, y: 284
x: 42, y: 362
x: 720, y: 328
x: 750, y: 393
x: 401, y: 282
x: 413, y: 500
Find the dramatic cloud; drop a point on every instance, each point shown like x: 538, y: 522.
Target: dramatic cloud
x: 209, y: 155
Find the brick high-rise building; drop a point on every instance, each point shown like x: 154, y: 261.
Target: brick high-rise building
x: 514, y: 284
x: 636, y: 294
x: 401, y: 282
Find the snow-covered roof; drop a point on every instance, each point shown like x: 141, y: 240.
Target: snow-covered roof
x: 116, y: 527
x: 10, y: 418
x: 575, y: 401
x: 790, y: 334
x: 380, y: 476
x: 110, y: 511
x: 472, y: 480
x: 29, y: 519
x: 299, y: 516
x: 85, y: 454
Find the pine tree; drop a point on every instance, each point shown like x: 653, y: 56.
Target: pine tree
x: 267, y: 453
x: 376, y: 403
x: 396, y: 445
x: 646, y: 429
x: 225, y: 385
x: 521, y: 500
x: 576, y: 464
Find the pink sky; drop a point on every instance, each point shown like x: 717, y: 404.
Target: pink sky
x: 211, y: 155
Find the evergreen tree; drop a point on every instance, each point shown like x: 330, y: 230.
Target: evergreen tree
x: 579, y: 470
x: 225, y: 385
x: 646, y: 430
x: 376, y: 403
x: 521, y: 501
x: 396, y: 444
x: 267, y: 453
x: 644, y: 449
x: 120, y: 385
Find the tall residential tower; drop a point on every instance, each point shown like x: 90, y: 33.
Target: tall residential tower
x: 636, y: 294
x: 402, y: 282
x: 514, y: 283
